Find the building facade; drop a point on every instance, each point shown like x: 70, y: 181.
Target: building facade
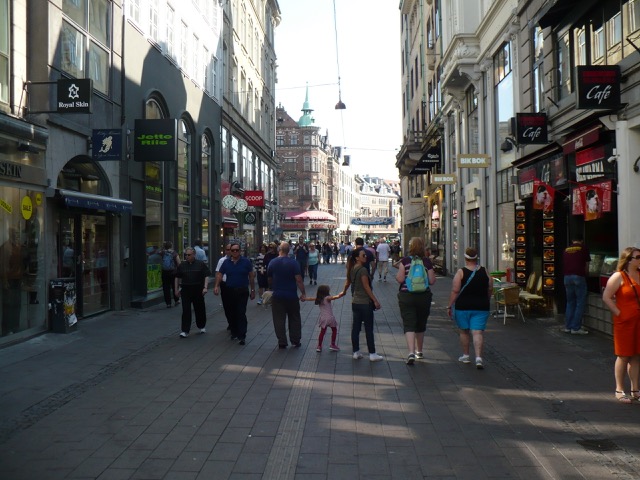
x: 531, y: 155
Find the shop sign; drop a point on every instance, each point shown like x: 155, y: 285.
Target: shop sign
x: 254, y: 198
x: 531, y: 128
x: 444, y: 179
x: 526, y: 177
x: 250, y: 218
x: 590, y: 163
x: 550, y: 172
x: 598, y: 87
x: 372, y: 221
x: 74, y: 95
x: 431, y: 158
x: 473, y: 160
x: 106, y: 144
x: 156, y: 140
x: 10, y: 170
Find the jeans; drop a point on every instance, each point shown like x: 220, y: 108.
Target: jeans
x: 362, y: 313
x: 168, y: 290
x: 576, y: 288
x: 313, y: 272
x: 303, y: 268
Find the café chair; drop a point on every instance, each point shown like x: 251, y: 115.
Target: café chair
x: 509, y: 297
x: 533, y: 298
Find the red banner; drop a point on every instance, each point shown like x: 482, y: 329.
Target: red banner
x: 254, y: 198
x: 543, y: 196
x: 592, y: 200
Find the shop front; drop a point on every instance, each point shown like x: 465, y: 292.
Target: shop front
x: 566, y: 190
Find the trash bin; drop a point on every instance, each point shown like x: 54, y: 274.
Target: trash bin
x: 62, y: 305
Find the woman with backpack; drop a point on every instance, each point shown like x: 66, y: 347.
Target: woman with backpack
x: 415, y: 275
x: 169, y: 263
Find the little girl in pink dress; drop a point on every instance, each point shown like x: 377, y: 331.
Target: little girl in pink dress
x: 327, y: 319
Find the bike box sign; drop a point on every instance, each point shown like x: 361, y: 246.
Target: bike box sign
x: 598, y: 87
x: 156, y: 140
x: 254, y: 198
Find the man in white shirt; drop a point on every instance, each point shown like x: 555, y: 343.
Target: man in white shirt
x: 382, y: 256
x: 200, y: 253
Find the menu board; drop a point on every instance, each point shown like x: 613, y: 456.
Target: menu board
x: 521, y: 246
x: 548, y: 252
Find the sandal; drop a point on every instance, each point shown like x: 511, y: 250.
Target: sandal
x: 635, y: 395
x: 623, y: 397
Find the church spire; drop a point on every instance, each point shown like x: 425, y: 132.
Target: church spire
x: 306, y: 119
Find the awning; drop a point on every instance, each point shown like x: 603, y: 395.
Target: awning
x: 229, y: 222
x: 311, y: 215
x: 94, y: 202
x: 557, y: 11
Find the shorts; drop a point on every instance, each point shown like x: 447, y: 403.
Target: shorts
x: 414, y: 310
x: 472, y: 319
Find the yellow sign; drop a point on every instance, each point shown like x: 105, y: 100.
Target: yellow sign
x: 27, y: 208
x: 443, y: 178
x: 38, y: 199
x: 6, y: 206
x: 473, y: 160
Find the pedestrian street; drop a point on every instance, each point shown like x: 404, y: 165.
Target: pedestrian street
x: 124, y: 397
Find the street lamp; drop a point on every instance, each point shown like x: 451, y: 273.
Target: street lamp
x: 306, y: 229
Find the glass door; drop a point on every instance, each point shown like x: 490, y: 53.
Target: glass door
x: 84, y: 256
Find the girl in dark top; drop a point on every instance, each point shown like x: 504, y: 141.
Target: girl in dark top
x: 470, y: 295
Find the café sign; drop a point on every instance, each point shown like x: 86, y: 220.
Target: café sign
x: 598, y: 87
x: 531, y: 128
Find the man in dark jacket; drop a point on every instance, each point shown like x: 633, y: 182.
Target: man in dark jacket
x: 192, y: 279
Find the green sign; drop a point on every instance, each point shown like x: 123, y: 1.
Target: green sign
x: 156, y: 140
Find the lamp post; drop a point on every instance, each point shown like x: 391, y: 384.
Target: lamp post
x: 306, y: 229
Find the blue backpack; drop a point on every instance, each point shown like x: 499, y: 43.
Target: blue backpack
x: 167, y: 260
x: 417, y: 280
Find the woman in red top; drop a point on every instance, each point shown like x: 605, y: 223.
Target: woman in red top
x: 622, y: 296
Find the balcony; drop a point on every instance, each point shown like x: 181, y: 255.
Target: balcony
x: 411, y: 151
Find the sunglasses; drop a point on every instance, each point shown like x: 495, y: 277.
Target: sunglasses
x: 235, y: 249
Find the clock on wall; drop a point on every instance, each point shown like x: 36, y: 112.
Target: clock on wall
x: 241, y: 204
x: 229, y: 201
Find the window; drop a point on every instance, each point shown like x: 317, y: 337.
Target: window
x: 4, y: 51
x: 614, y: 30
x: 537, y: 70
x: 153, y: 20
x: 85, y: 41
x: 184, y: 46
x: 581, y: 46
x: 171, y: 47
x: 184, y: 167
x: 307, y: 140
x: 290, y: 187
x: 134, y: 9
x: 314, y: 164
x: 633, y: 9
x: 564, y: 66
x: 279, y: 140
x: 206, y: 173
x: 307, y: 164
x: 290, y: 164
x: 294, y: 139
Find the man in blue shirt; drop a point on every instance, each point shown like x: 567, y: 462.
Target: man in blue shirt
x: 285, y: 279
x: 240, y: 279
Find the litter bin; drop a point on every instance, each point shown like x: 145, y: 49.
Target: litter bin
x: 62, y: 305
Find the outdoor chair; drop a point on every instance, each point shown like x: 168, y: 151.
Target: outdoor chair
x: 509, y: 297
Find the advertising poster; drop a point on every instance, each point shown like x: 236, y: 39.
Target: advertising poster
x: 543, y: 196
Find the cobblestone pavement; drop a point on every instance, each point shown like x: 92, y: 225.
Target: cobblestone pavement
x: 124, y: 398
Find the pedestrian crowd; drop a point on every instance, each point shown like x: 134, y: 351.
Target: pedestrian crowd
x: 280, y: 271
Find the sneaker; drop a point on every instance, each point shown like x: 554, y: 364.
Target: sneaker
x: 319, y: 348
x: 310, y: 282
x: 296, y: 345
x: 384, y: 279
x: 241, y: 342
x: 259, y: 302
x: 203, y: 330
x: 580, y: 331
x: 479, y: 364
x: 334, y: 348
x: 411, y: 359
x: 184, y: 334
x: 357, y: 355
x: 374, y: 357
x: 419, y: 355
x: 464, y: 359
x: 379, y: 279
x: 169, y: 306
x: 565, y: 330
x: 282, y: 347
x: 233, y: 337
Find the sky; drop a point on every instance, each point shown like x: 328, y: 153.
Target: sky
x: 368, y: 58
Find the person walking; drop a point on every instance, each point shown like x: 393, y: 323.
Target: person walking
x: 575, y: 262
x: 470, y: 295
x: 301, y: 253
x: 327, y: 319
x: 261, y: 272
x: 415, y: 307
x: 285, y: 280
x: 342, y: 250
x: 240, y: 287
x: 170, y: 261
x: 363, y: 303
x: 383, y: 252
x: 313, y: 259
x: 200, y: 253
x: 622, y: 296
x: 224, y: 293
x: 191, y: 283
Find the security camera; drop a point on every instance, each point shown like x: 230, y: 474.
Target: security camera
x: 612, y: 158
x: 506, y: 147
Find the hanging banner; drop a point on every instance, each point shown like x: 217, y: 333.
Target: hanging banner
x: 156, y: 140
x: 592, y: 200
x: 74, y: 95
x: 473, y: 160
x: 543, y: 198
x: 106, y: 144
x: 254, y: 198
x: 531, y: 128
